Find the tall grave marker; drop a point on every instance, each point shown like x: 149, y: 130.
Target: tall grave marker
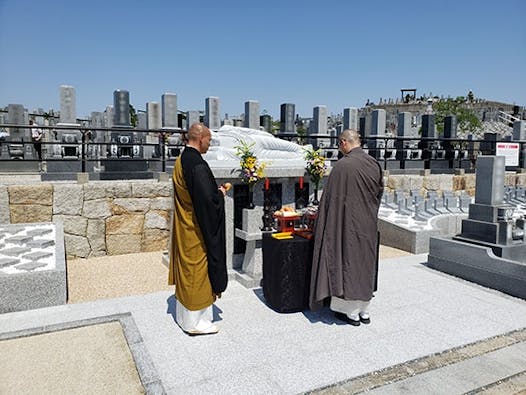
x: 212, y: 119
x: 491, y: 249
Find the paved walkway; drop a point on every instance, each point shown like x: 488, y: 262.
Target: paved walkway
x: 417, y: 315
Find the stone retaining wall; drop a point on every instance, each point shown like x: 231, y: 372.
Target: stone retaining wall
x: 444, y: 182
x: 100, y: 218
x: 121, y: 217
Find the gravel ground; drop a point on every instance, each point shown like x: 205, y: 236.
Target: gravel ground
x: 132, y: 274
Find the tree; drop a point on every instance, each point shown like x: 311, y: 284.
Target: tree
x: 133, y: 116
x: 467, y: 120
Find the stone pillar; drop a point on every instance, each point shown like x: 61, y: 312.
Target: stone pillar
x: 191, y: 118
x: 378, y: 123
x: 251, y: 114
x: 519, y: 130
x: 153, y: 121
x: 266, y: 122
x: 142, y: 120
x: 15, y: 115
x: 69, y: 141
x: 450, y: 132
x: 318, y: 128
x: 288, y: 115
x: 108, y: 117
x: 403, y: 130
x: 169, y: 111
x: 121, y: 107
x: 68, y: 115
x: 377, y: 146
x: 428, y: 131
x: 350, y: 118
x: 153, y: 111
x: 319, y: 120
x: 212, y: 113
x: 489, y: 187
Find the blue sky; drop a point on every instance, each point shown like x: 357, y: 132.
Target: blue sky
x: 337, y: 53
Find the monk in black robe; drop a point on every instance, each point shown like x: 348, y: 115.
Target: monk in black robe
x: 198, y: 249
x: 346, y: 234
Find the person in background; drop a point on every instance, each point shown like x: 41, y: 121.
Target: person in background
x: 198, y: 245
x: 36, y: 137
x: 344, y: 266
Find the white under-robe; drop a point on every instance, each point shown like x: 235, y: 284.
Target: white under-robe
x: 194, y: 321
x: 352, y: 308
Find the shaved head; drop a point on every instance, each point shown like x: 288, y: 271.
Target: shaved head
x: 199, y: 137
x: 197, y: 130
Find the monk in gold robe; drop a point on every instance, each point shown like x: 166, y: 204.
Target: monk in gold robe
x: 198, y: 248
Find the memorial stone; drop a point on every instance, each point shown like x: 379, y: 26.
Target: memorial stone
x: 121, y: 107
x: 450, y: 132
x: 376, y: 147
x: 14, y: 148
x: 252, y: 114
x: 318, y: 130
x: 108, y: 116
x: 519, y: 130
x: 154, y: 120
x: 68, y: 112
x: 319, y: 120
x: 67, y: 142
x: 169, y: 111
x: 491, y: 248
x: 142, y: 120
x: 378, y: 123
x: 450, y: 127
x: 191, y: 118
x: 266, y: 122
x: 288, y: 115
x: 15, y: 116
x: 428, y: 126
x: 350, y: 118
x: 212, y: 119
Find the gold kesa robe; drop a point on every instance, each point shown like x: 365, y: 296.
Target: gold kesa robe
x: 197, y: 250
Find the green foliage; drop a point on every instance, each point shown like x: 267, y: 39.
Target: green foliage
x: 276, y: 125
x: 467, y: 120
x: 133, y: 116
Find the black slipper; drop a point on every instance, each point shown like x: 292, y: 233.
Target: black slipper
x: 345, y: 318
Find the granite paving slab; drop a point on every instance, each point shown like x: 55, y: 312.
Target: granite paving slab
x: 415, y: 313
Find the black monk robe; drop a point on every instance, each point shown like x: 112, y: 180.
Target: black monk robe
x: 198, y: 258
x: 344, y: 258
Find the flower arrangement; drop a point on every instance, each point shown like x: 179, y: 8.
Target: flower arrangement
x: 316, y: 166
x: 251, y: 170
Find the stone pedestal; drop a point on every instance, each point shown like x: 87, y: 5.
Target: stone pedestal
x: 251, y: 268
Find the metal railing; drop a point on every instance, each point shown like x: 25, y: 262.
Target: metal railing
x: 88, y: 146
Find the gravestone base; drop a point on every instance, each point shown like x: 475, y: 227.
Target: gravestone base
x: 512, y: 252
x: 32, y: 266
x: 478, y: 264
x: 124, y: 165
x: 121, y: 175
x: 65, y: 166
x: 19, y: 166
